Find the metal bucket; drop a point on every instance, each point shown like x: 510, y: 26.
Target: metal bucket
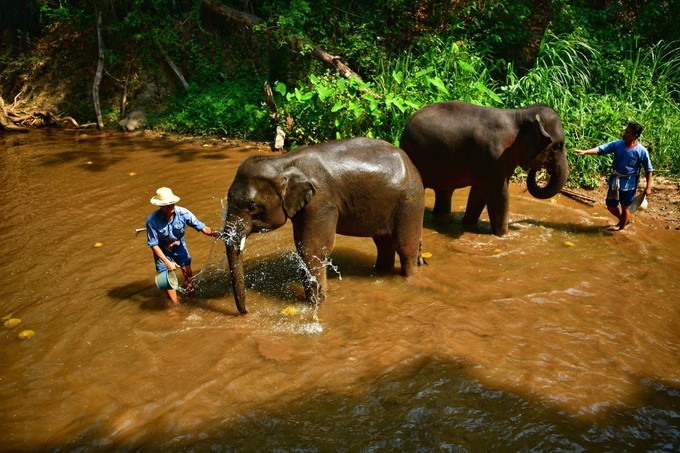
x: 167, y: 280
x: 640, y: 203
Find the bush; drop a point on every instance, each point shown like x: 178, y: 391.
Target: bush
x: 232, y: 108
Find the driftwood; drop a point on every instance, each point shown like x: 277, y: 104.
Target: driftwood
x: 15, y: 121
x: 300, y: 44
x: 6, y: 124
x: 98, y: 74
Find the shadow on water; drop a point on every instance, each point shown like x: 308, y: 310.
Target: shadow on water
x: 93, y: 152
x: 425, y: 404
x: 452, y: 226
x: 277, y: 276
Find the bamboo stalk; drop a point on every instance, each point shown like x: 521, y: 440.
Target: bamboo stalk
x: 579, y: 197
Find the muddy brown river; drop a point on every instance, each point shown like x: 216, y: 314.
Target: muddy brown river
x: 560, y: 336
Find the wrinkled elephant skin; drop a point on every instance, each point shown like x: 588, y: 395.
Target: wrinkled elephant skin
x: 456, y: 144
x: 356, y: 187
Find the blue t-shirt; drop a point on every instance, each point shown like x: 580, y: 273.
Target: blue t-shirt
x: 627, y: 161
x: 161, y: 232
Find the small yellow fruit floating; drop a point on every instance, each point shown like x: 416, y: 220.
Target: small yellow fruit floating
x: 26, y: 334
x: 132, y: 173
x: 497, y: 251
x: 6, y: 317
x: 569, y: 244
x: 98, y: 244
x: 426, y: 255
x: 289, y: 311
x: 12, y: 322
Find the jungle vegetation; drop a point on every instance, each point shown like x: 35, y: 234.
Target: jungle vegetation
x: 353, y: 67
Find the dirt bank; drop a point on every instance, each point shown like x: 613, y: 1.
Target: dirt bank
x: 663, y: 205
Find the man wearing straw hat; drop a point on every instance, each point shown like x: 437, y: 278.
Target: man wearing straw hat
x: 629, y: 155
x: 165, y: 235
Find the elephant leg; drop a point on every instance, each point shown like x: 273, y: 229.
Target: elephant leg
x: 386, y: 254
x: 314, y: 273
x: 407, y: 236
x: 498, y: 208
x: 409, y: 259
x: 314, y: 242
x: 475, y: 206
x: 442, y: 202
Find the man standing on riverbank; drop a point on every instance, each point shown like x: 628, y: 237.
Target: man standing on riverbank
x: 629, y: 155
x: 165, y: 229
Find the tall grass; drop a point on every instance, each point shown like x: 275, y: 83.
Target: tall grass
x: 650, y: 96
x: 565, y: 75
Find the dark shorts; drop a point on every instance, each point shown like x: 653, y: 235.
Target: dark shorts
x: 179, y: 254
x: 626, y: 197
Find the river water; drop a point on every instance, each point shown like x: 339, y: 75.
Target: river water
x: 562, y: 335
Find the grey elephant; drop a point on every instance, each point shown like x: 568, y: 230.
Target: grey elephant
x: 456, y: 144
x: 356, y: 187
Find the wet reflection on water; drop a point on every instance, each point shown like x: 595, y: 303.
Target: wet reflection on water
x: 561, y: 335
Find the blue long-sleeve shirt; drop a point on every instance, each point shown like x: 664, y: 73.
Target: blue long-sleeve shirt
x: 627, y: 162
x: 160, y: 231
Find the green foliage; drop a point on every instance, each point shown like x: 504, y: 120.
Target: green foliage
x: 232, y: 108
x: 329, y: 107
x: 598, y: 67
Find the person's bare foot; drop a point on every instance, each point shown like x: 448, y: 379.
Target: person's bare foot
x: 621, y: 228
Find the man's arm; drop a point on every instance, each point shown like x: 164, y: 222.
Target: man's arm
x: 648, y: 189
x: 581, y: 152
x: 159, y: 253
x: 210, y: 232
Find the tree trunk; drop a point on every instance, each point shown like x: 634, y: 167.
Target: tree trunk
x: 98, y: 74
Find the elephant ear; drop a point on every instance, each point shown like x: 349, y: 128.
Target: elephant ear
x: 296, y: 191
x: 544, y: 139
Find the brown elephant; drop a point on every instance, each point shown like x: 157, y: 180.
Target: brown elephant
x: 456, y: 144
x: 356, y: 187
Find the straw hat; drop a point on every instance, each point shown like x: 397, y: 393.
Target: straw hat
x: 164, y: 197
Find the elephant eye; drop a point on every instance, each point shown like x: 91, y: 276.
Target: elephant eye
x: 252, y: 206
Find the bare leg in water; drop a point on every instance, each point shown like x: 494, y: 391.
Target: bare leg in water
x: 622, y: 214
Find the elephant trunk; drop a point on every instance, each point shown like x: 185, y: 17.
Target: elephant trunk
x: 234, y: 244
x: 558, y: 171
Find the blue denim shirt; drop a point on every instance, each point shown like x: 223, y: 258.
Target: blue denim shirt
x: 627, y: 161
x: 161, y: 232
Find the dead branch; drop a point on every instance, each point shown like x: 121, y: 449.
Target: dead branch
x: 249, y: 20
x: 174, y: 67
